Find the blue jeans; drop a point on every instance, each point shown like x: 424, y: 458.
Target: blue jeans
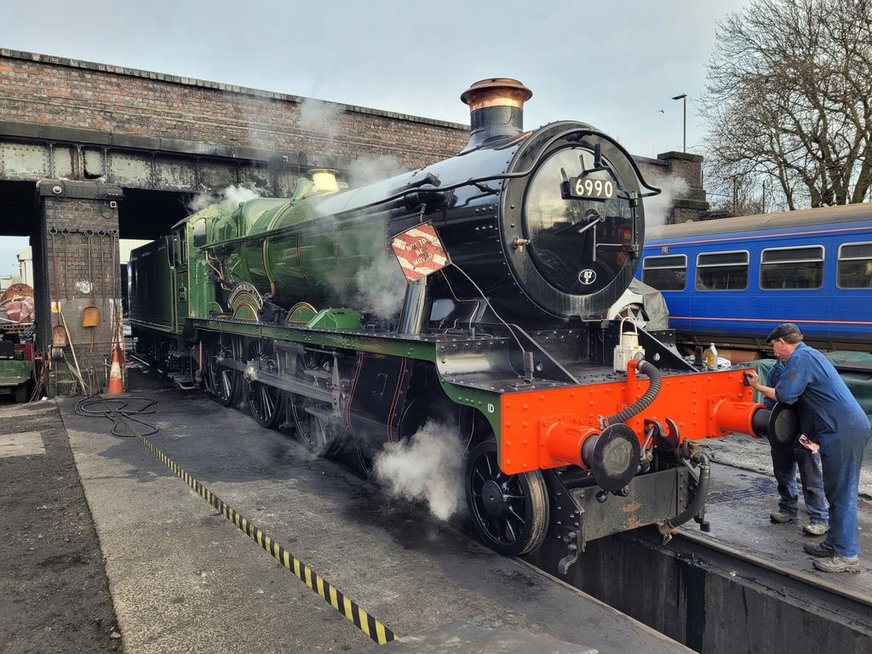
x: 841, y: 455
x: 784, y: 464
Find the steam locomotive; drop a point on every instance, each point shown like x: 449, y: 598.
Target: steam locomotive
x: 470, y: 292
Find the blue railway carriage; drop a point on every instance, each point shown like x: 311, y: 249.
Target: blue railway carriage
x: 731, y: 280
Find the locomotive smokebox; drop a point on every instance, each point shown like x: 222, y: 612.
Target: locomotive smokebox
x: 496, y: 109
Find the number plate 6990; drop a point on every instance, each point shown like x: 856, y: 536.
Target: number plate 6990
x: 587, y: 188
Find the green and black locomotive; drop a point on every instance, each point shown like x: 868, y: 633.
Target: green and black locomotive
x: 471, y: 292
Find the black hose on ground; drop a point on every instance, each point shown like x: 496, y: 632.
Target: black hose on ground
x: 122, y: 412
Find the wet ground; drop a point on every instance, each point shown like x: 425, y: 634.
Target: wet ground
x: 183, y: 578
x: 738, y: 510
x: 54, y: 592
x: 179, y: 577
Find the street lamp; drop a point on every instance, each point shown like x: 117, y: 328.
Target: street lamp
x: 683, y: 98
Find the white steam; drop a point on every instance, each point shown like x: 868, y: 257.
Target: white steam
x: 657, y: 208
x: 382, y: 288
x: 375, y: 169
x: 320, y: 117
x: 229, y: 198
x: 426, y: 467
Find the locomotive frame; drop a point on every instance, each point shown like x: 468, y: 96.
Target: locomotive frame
x: 564, y: 443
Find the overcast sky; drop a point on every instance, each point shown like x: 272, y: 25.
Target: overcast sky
x: 613, y: 64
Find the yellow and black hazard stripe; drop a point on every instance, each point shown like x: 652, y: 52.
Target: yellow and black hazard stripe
x: 336, y: 598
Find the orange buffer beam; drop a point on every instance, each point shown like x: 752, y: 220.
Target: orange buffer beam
x: 544, y: 429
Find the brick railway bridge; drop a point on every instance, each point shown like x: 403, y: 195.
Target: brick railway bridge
x: 90, y: 153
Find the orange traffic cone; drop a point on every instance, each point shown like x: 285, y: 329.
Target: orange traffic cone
x: 116, y: 384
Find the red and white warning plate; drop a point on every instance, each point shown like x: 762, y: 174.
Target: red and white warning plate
x: 420, y: 251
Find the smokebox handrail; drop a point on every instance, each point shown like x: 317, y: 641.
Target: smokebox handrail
x: 477, y: 181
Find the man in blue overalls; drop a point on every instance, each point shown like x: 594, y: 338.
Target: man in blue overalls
x: 831, y: 417
x: 805, y: 456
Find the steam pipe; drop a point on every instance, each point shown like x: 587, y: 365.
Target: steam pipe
x: 416, y: 305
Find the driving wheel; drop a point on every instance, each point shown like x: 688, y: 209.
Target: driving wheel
x: 264, y: 401
x: 223, y: 383
x: 312, y: 419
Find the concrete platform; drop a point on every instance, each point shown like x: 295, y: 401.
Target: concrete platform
x: 184, y: 579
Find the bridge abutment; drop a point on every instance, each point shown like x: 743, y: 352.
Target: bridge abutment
x: 79, y: 300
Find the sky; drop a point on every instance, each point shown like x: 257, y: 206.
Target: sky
x: 615, y: 65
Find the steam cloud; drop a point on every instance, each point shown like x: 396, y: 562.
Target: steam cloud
x: 320, y: 117
x: 229, y: 198
x: 426, y: 467
x: 374, y: 169
x: 657, y: 208
x: 382, y: 288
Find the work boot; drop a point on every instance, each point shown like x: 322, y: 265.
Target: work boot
x: 838, y: 564
x: 781, y: 517
x: 820, y: 550
x: 816, y: 528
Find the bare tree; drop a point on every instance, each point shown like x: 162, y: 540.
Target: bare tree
x: 789, y: 99
x: 739, y: 195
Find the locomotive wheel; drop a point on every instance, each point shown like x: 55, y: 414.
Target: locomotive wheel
x: 313, y: 431
x: 311, y: 426
x: 223, y: 383
x: 364, y: 456
x: 509, y: 512
x: 264, y: 402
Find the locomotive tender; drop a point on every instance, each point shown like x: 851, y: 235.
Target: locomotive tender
x: 501, y: 261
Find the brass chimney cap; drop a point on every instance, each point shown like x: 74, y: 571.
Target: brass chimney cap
x: 496, y: 92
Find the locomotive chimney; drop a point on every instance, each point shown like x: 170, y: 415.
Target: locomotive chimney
x: 496, y: 109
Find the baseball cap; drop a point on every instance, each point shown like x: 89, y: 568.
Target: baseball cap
x: 783, y: 330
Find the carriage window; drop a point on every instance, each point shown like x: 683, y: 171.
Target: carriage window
x: 792, y: 267
x: 719, y: 271
x: 855, y: 265
x: 665, y: 273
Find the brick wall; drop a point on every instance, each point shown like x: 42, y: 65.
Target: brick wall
x: 68, y: 93
x: 71, y: 94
